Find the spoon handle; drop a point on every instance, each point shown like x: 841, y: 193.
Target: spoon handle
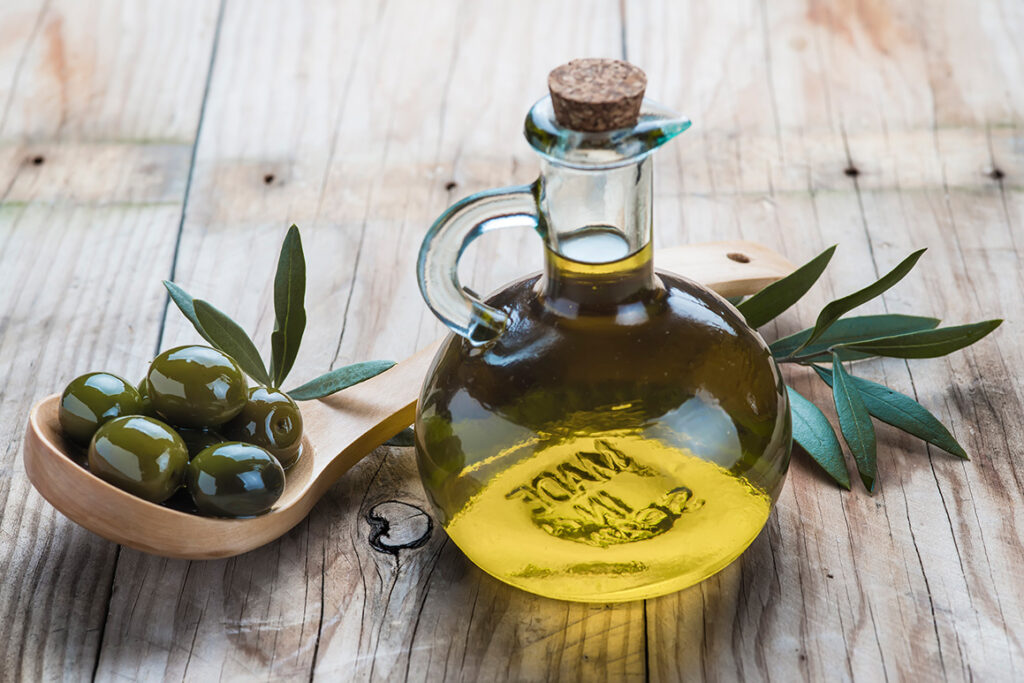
x: 353, y: 422
x: 731, y: 268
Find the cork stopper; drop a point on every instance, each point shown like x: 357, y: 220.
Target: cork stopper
x: 597, y: 95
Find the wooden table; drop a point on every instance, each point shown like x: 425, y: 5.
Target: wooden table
x: 150, y: 140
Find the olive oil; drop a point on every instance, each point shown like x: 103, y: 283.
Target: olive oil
x: 625, y: 437
x: 608, y: 517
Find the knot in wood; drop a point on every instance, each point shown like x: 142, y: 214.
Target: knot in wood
x: 597, y: 95
x: 395, y: 526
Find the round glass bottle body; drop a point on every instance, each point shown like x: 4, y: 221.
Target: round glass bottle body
x: 612, y: 450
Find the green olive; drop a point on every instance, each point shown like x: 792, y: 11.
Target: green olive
x: 196, y: 386
x: 141, y: 455
x: 93, y: 399
x: 198, y: 439
x: 234, y: 479
x: 272, y: 421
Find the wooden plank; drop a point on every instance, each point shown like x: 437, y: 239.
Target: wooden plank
x: 90, y: 210
x: 869, y: 586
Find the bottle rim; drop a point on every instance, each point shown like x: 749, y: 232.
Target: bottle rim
x: 583, y: 150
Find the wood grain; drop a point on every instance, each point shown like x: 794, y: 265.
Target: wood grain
x: 881, y: 125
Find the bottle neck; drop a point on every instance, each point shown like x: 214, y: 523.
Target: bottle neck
x: 597, y: 228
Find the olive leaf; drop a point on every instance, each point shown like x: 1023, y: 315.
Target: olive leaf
x: 339, y: 379
x: 183, y: 300
x: 924, y: 344
x: 847, y: 330
x: 814, y: 433
x: 406, y: 437
x: 228, y: 336
x: 224, y: 334
x: 289, y: 310
x: 902, y: 412
x: 778, y: 296
x: 855, y: 423
x: 836, y: 309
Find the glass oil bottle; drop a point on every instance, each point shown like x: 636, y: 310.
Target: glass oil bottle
x: 602, y: 431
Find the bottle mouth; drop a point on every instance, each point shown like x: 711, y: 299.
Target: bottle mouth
x: 655, y: 126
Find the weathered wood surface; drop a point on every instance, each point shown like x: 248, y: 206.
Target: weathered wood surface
x: 145, y: 140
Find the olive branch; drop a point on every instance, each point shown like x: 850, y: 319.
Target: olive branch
x: 834, y: 340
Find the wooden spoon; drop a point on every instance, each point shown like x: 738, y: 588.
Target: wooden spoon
x: 339, y: 431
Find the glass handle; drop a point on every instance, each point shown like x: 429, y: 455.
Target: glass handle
x: 444, y: 244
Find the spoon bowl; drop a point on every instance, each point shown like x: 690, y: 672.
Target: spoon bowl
x: 339, y: 431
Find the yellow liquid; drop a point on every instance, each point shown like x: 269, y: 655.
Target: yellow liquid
x: 608, y: 517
